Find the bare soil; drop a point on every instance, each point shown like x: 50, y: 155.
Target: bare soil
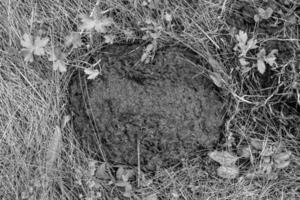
x: 161, y: 112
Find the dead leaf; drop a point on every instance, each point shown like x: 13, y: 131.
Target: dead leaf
x: 223, y: 157
x: 228, y: 172
x: 92, y: 73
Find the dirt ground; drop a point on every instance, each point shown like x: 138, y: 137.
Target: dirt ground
x: 156, y: 114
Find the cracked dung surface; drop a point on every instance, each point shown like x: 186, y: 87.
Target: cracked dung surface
x: 167, y: 109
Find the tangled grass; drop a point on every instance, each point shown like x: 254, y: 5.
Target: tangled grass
x: 41, y: 159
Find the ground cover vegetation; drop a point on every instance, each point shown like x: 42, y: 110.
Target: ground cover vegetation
x: 149, y: 99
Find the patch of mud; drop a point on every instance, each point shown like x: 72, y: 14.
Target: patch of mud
x: 160, y: 112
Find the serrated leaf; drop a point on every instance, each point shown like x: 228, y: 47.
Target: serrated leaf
x: 242, y: 37
x: 73, y: 39
x: 58, y: 59
x: 228, y: 172
x: 98, y: 24
x: 92, y: 73
x: 33, y: 46
x: 39, y: 45
x: 223, y: 157
x: 243, y: 44
x: 102, y: 24
x: 271, y: 58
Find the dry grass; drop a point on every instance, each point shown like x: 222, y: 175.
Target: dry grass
x: 39, y: 159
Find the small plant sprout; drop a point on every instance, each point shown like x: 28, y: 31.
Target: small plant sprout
x: 262, y: 58
x: 109, y: 39
x: 168, y: 17
x: 244, y: 45
x: 123, y: 176
x: 99, y: 24
x: 58, y: 59
x: 263, y: 14
x: 92, y: 73
x: 33, y: 46
x: 228, y: 169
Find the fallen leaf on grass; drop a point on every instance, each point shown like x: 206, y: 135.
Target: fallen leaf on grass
x: 101, y: 172
x: 58, y: 59
x: 223, y: 157
x: 99, y: 24
x: 282, y: 164
x: 92, y: 73
x: 33, y: 46
x: 282, y: 160
x: 228, y: 172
